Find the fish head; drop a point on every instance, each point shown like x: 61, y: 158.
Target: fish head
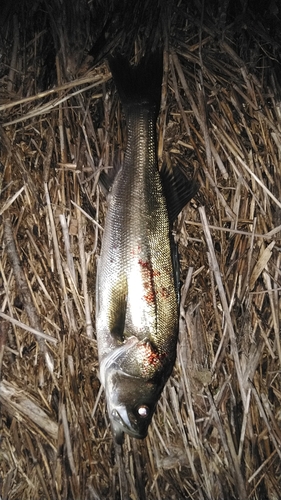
x: 131, y: 403
x: 132, y: 387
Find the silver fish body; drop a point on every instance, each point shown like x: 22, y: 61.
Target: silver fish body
x: 137, y: 289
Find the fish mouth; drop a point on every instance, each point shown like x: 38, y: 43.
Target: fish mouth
x: 120, y: 423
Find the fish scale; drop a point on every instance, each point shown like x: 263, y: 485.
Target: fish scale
x: 136, y: 255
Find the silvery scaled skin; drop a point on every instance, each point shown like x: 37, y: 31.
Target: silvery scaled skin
x: 137, y: 289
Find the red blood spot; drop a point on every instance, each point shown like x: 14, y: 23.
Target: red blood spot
x: 149, y: 297
x: 145, y: 264
x: 153, y: 357
x: 164, y: 293
x: 148, y: 274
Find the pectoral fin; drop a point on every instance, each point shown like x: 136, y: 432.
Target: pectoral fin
x: 106, y: 179
x: 111, y: 303
x: 178, y: 189
x: 117, y: 311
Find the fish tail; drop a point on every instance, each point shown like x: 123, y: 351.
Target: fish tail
x: 139, y: 84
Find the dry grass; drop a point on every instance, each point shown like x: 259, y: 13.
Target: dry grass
x: 216, y: 433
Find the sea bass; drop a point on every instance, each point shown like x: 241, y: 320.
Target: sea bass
x: 137, y: 292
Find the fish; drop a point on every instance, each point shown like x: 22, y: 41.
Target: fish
x: 137, y: 283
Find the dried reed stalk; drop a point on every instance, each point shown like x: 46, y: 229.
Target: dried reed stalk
x: 216, y: 431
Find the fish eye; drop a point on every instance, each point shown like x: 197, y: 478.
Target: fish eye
x: 143, y: 411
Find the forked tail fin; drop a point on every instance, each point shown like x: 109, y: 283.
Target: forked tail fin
x: 140, y: 84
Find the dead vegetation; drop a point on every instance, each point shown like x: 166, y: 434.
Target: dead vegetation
x: 216, y: 433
